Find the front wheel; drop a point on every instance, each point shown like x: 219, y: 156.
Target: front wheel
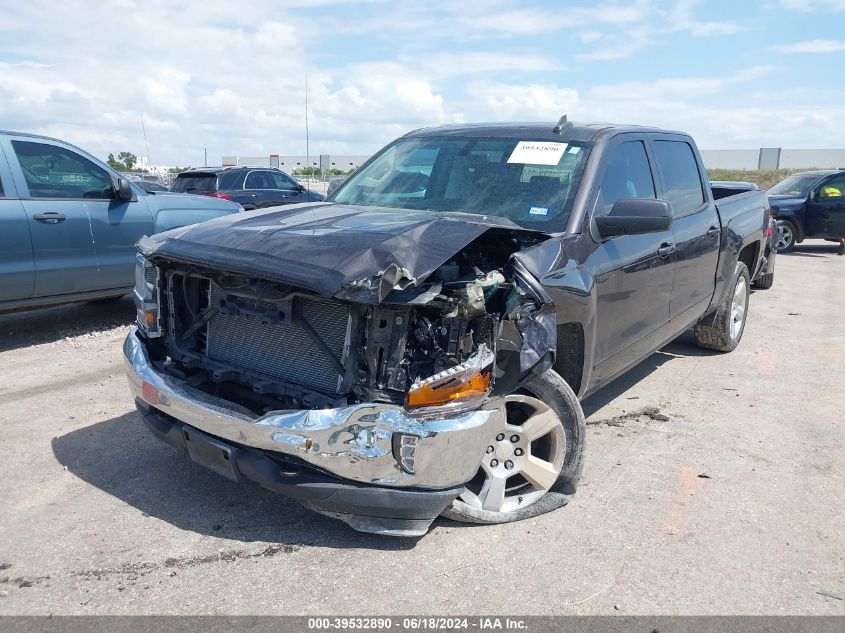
x: 533, y: 466
x: 723, y: 331
x: 787, y: 234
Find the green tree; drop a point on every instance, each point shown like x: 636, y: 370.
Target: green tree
x: 128, y: 158
x: 125, y: 161
x: 316, y: 171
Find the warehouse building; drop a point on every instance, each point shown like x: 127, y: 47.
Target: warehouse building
x: 292, y: 163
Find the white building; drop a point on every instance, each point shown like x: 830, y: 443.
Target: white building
x: 291, y: 163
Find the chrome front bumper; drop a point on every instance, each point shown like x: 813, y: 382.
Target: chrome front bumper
x: 354, y: 443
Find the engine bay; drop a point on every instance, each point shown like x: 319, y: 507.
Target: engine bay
x: 269, y: 346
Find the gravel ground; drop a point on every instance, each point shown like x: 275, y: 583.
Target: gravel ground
x: 713, y: 485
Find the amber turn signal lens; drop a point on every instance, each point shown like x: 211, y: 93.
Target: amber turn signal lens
x: 150, y: 318
x: 428, y: 396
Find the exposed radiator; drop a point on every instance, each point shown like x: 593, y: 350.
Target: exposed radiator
x: 283, y: 350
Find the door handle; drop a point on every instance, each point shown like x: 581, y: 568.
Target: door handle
x: 665, y: 250
x: 49, y: 218
x: 714, y: 231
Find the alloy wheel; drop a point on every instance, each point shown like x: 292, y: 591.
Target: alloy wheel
x: 786, y: 236
x: 739, y: 304
x: 523, y: 461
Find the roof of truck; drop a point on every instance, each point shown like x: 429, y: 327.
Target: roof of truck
x: 536, y: 131
x: 31, y: 135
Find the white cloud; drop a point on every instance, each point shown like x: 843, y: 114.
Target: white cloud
x: 442, y: 65
x: 682, y: 18
x: 526, y: 20
x: 814, y: 5
x: 503, y: 102
x: 813, y: 46
x: 613, y: 48
x: 702, y: 106
x: 230, y: 76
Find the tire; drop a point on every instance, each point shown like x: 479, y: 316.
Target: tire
x: 550, y: 395
x: 723, y: 331
x: 787, y: 236
x: 765, y: 281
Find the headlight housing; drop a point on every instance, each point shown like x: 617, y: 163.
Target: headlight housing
x: 461, y: 387
x: 146, y: 295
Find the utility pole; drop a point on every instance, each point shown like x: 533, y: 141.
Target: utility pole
x: 147, y: 145
x: 307, y: 149
x: 205, y: 156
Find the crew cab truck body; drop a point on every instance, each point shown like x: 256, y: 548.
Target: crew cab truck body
x: 69, y: 223
x: 417, y: 344
x: 809, y: 205
x: 765, y: 276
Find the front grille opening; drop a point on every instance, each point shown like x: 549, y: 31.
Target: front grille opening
x: 261, y: 346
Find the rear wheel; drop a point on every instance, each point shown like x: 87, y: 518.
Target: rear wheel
x: 787, y: 234
x: 532, y: 466
x: 765, y: 281
x: 723, y: 331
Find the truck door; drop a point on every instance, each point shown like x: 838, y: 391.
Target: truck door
x: 116, y: 225
x: 826, y: 209
x: 633, y: 273
x: 17, y: 267
x: 54, y: 184
x: 696, y: 227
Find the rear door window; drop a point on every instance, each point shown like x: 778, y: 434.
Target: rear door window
x: 280, y: 181
x: 228, y: 179
x: 259, y: 180
x: 684, y: 192
x: 195, y: 183
x: 627, y: 174
x: 51, y: 171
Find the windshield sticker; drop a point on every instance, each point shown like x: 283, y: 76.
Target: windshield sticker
x: 537, y: 153
x: 574, y: 150
x: 538, y: 211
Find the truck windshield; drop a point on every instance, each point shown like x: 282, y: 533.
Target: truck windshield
x: 794, y: 185
x: 531, y: 183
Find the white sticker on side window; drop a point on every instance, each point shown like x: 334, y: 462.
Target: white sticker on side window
x: 537, y: 153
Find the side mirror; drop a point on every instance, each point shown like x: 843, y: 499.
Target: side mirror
x: 632, y: 216
x: 122, y: 189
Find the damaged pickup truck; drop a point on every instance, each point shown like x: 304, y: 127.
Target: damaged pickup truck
x: 417, y: 344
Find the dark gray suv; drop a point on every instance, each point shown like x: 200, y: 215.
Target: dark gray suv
x: 252, y: 187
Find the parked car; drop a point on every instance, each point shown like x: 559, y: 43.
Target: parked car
x: 765, y: 278
x: 414, y: 345
x: 151, y: 187
x: 252, y: 187
x: 69, y: 223
x: 809, y: 204
x: 335, y: 183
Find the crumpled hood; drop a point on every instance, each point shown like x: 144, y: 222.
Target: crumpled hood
x: 347, y: 252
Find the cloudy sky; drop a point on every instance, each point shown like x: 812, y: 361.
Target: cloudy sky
x: 230, y: 76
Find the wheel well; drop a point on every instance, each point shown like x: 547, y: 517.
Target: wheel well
x: 748, y: 256
x: 569, y: 360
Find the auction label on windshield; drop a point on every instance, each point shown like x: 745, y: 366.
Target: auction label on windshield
x: 537, y: 153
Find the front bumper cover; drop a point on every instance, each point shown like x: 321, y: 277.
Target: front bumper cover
x: 350, y: 446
